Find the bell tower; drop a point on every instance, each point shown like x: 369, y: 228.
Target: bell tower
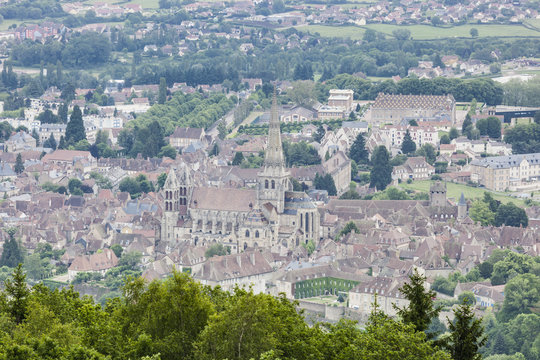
x: 171, y: 195
x: 274, y: 178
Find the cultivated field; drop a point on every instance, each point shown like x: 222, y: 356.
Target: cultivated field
x: 423, y: 32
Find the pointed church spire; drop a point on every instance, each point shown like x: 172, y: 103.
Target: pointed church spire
x: 274, y: 150
x: 172, y: 181
x: 462, y: 200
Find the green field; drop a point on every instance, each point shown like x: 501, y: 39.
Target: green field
x: 454, y: 191
x: 423, y: 32
x: 7, y: 23
x: 353, y: 32
x: 146, y: 4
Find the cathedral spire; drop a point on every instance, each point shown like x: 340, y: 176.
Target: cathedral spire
x: 274, y: 150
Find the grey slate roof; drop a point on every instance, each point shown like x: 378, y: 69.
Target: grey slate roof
x: 505, y: 162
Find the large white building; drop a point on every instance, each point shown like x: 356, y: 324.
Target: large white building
x: 419, y: 134
x: 513, y: 172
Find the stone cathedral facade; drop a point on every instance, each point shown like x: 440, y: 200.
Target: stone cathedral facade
x: 270, y: 216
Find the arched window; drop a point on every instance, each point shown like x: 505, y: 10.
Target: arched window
x: 256, y: 233
x: 273, y: 184
x: 266, y: 184
x: 247, y: 233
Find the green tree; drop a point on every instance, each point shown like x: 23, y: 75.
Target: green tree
x: 493, y: 127
x: 117, y: 249
x: 445, y: 139
x: 300, y: 153
x: 303, y: 93
x: 74, y: 186
x: 61, y: 143
x: 164, y: 317
x: 161, y: 180
x: 521, y: 294
x: 50, y: 142
x: 408, y: 146
x: 238, y: 158
x: 19, y: 166
x: 466, y: 334
x: 467, y: 127
x: 167, y: 151
x: 428, y: 152
x: 381, y: 172
x: 486, y: 269
x: 251, y: 325
x: 162, y: 97
x: 131, y: 186
x: 474, y: 32
x: 12, y: 252
x: 325, y: 182
x: 17, y: 292
x: 349, y: 227
x: 319, y: 134
x: 453, y: 134
x: 511, y: 215
x: 222, y: 130
x: 480, y: 212
x: 75, y: 131
x: 216, y: 250
x: 421, y: 309
x: 358, y: 151
x: 467, y: 297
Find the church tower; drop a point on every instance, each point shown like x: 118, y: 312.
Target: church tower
x: 462, y: 207
x: 437, y: 194
x: 274, y: 178
x: 177, y: 194
x: 171, y: 194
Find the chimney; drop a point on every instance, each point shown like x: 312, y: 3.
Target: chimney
x: 239, y: 260
x: 252, y: 257
x: 109, y: 254
x: 225, y: 261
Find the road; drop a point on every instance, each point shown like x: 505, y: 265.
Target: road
x: 229, y: 120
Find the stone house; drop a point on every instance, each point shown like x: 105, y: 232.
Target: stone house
x: 99, y: 262
x: 415, y: 168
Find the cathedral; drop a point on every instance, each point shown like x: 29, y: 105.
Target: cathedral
x: 270, y: 216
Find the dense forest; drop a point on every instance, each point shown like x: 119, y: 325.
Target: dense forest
x: 178, y: 318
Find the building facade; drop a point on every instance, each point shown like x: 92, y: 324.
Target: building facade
x: 513, y: 172
x: 393, y: 109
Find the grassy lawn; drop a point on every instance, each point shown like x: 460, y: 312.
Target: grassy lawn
x: 146, y: 4
x: 423, y: 32
x: 454, y: 191
x: 325, y: 299
x: 353, y: 32
x: 7, y: 23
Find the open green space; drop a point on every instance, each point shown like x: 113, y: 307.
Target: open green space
x: 146, y: 4
x: 7, y: 23
x: 454, y: 191
x: 353, y: 32
x: 423, y: 32
x: 325, y: 299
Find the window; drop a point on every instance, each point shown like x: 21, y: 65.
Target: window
x: 256, y: 233
x: 273, y: 184
x: 247, y: 233
x: 266, y: 184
